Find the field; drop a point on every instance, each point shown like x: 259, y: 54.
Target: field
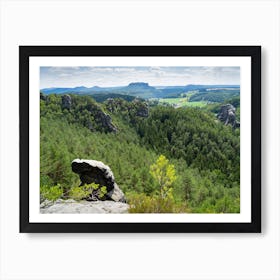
x: 182, y: 102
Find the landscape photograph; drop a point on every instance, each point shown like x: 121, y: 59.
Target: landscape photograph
x: 139, y: 139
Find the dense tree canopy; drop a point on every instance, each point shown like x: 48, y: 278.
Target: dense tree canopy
x: 195, y: 136
x: 203, y: 152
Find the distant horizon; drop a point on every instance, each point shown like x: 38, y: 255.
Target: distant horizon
x: 119, y: 76
x: 155, y: 86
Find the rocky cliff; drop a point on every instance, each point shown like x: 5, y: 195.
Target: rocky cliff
x: 79, y: 109
x: 66, y: 102
x: 135, y: 108
x: 227, y: 115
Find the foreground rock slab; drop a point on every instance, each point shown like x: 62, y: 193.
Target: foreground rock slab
x: 71, y: 206
x: 93, y: 171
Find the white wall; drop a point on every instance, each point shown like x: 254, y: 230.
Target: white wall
x: 139, y: 256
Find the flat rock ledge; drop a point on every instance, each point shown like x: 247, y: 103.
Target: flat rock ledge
x: 71, y: 206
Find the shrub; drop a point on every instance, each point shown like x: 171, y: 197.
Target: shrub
x: 78, y: 193
x: 86, y: 190
x: 102, y: 192
x: 141, y: 203
x: 46, y: 181
x: 51, y: 193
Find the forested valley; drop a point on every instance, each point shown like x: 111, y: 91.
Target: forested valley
x: 165, y: 159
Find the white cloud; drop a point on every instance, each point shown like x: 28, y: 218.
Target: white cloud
x: 64, y: 75
x: 124, y: 69
x: 120, y: 76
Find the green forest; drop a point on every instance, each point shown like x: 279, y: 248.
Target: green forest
x: 165, y: 159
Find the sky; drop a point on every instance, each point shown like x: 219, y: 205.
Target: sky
x: 121, y: 76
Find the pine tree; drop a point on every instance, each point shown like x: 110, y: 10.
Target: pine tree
x: 165, y: 175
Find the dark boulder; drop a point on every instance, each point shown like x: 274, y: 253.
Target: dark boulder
x: 43, y: 97
x: 110, y: 104
x: 142, y: 108
x: 66, y: 102
x: 227, y: 115
x: 105, y: 121
x: 92, y: 171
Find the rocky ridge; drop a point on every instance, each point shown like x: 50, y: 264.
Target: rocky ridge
x: 137, y: 107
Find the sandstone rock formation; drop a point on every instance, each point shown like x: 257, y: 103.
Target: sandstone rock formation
x: 137, y: 107
x: 105, y: 121
x: 66, y: 102
x: 92, y: 171
x: 142, y: 108
x: 227, y: 115
x: 43, y: 97
x: 71, y: 206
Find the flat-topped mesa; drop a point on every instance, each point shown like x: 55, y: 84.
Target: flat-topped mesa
x: 93, y: 171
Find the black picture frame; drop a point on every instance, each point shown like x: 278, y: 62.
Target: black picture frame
x: 254, y: 52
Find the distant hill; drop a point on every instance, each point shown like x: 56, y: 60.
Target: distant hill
x: 175, y: 91
x: 215, y: 94
x: 144, y: 90
x: 140, y: 86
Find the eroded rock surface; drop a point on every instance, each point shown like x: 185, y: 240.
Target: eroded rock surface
x: 142, y: 108
x: 227, y: 115
x: 93, y: 171
x: 71, y: 206
x: 137, y: 107
x: 66, y: 102
x: 106, y: 121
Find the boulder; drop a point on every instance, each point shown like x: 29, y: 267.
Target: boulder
x: 66, y: 102
x: 93, y: 171
x: 227, y: 115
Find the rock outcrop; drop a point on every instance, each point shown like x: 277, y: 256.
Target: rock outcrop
x: 96, y: 119
x: 105, y: 121
x: 227, y: 115
x: 142, y: 108
x: 93, y: 171
x: 66, y: 102
x: 71, y: 206
x: 43, y: 97
x: 137, y: 107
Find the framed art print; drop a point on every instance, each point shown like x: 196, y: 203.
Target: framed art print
x: 140, y: 138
